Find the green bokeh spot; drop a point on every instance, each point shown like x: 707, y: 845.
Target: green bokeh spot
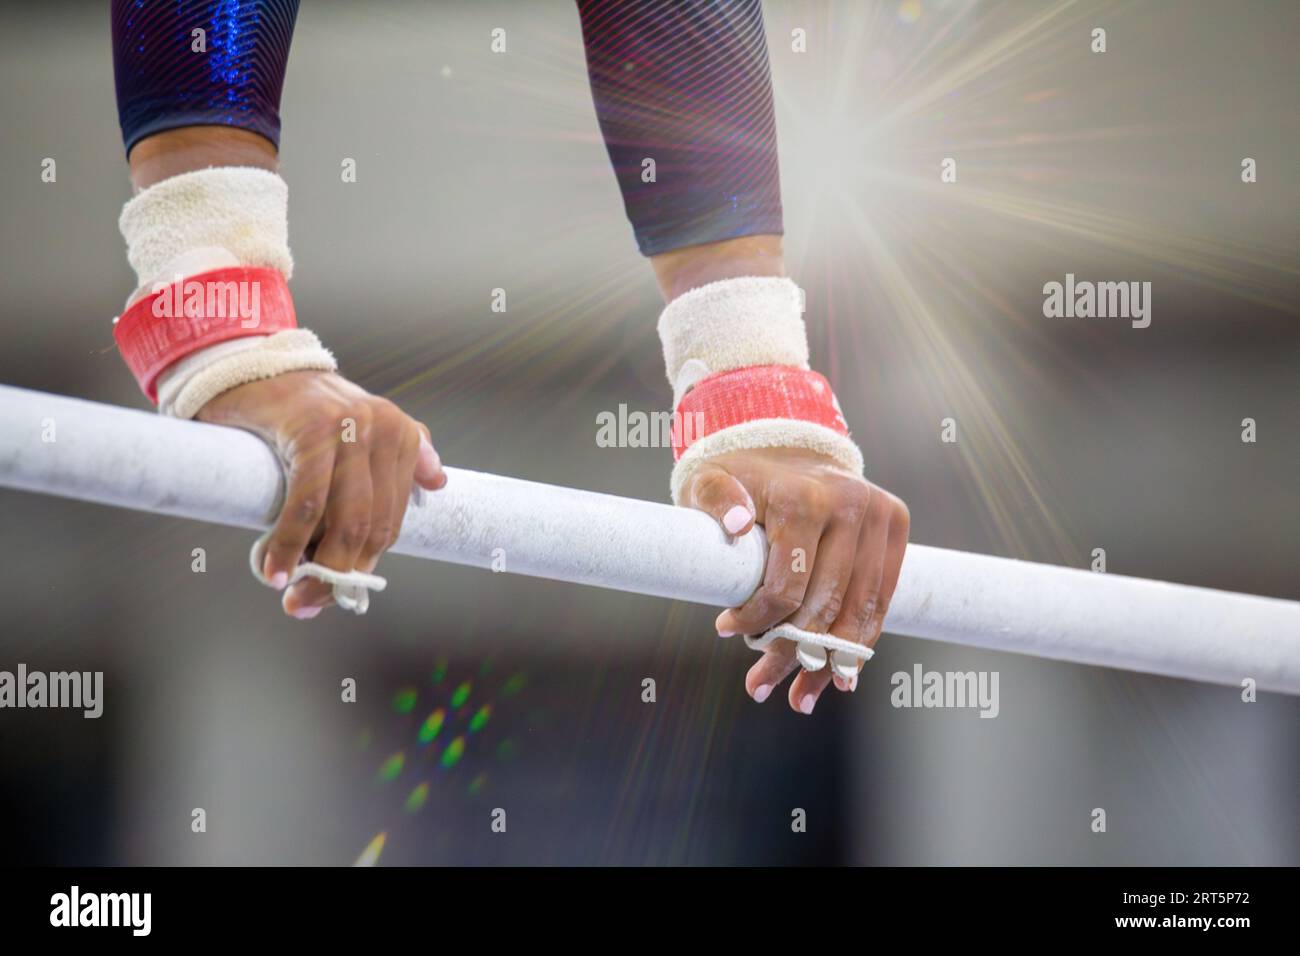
x: 461, y: 695
x: 455, y: 750
x: 432, y: 724
x: 480, y: 718
x: 514, y: 685
x: 391, y: 767
x: 417, y: 798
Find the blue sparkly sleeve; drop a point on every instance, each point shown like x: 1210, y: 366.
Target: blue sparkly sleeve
x: 686, y: 84
x: 169, y: 74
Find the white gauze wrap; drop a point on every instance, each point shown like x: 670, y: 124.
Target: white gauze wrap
x: 212, y: 219
x: 737, y: 323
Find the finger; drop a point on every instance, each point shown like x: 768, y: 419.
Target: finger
x: 836, y: 556
x: 900, y: 526
x: 428, y: 471
x: 347, y: 525
x: 383, y: 481
x: 833, y: 569
x: 858, y: 615
x: 776, y: 664
x: 308, y: 472
x: 403, y: 479
x: 792, y: 554
x: 717, y: 493
x: 807, y: 687
x: 391, y: 440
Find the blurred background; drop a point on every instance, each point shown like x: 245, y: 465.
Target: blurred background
x: 478, y: 691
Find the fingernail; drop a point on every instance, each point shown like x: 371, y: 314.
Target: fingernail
x: 306, y: 613
x: 722, y: 629
x: 279, y: 580
x: 726, y: 633
x: 806, y: 705
x: 853, y: 684
x: 761, y: 693
x: 736, y: 519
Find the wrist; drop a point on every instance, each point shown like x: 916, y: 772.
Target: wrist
x: 212, y: 309
x: 682, y: 270
x: 736, y: 353
x: 191, y: 148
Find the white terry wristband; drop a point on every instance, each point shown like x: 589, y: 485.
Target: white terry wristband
x: 201, y: 376
x: 237, y: 208
x: 732, y: 324
x: 215, y: 219
x: 737, y: 324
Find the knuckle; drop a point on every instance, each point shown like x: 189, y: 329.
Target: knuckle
x: 798, y: 503
x: 307, y: 510
x: 307, y: 438
x: 852, y: 507
x: 353, y: 534
x: 327, y: 416
x: 331, y: 415
x: 363, y: 415
x: 388, y: 418
x: 710, y: 485
x: 828, y: 611
x: 783, y: 601
x: 864, y: 612
x: 380, y: 537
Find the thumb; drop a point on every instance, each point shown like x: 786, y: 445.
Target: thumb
x: 720, y: 494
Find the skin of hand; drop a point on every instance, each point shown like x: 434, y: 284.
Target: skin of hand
x: 836, y: 540
x: 345, y: 500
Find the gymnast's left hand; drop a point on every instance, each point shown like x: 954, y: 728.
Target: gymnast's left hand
x: 836, y: 547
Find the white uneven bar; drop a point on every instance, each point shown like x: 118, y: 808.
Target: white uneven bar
x: 139, y: 460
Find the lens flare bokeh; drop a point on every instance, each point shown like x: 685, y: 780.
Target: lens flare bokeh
x: 430, y: 767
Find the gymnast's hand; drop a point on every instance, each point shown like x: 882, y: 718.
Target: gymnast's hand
x: 837, y: 544
x: 346, y: 498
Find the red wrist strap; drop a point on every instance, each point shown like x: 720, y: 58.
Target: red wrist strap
x: 749, y: 394
x: 198, y: 311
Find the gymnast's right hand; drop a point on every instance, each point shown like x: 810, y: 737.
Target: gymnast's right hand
x: 348, y: 484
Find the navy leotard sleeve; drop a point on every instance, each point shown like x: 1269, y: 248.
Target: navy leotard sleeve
x: 687, y: 84
x: 163, y: 82
x: 683, y: 82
